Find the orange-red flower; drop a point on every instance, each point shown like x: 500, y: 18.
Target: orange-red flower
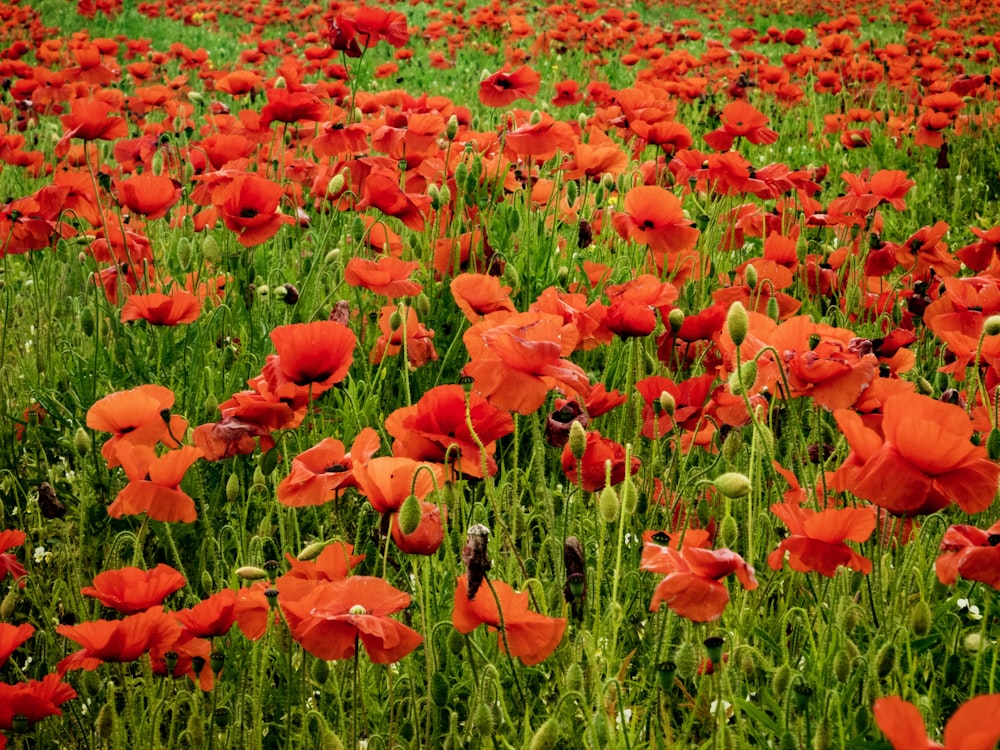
x: 322, y: 471
x: 387, y: 276
x: 693, y: 586
x: 154, y: 484
x: 32, y: 701
x: 118, y: 640
x: 149, y: 194
x: 426, y: 538
x: 971, y: 553
x: 478, y: 294
x: 517, y: 359
x: 8, y: 561
x: 311, y: 358
x: 527, y: 635
x: 387, y: 481
x: 211, y: 617
x: 249, y: 207
x: 11, y: 637
x: 503, y: 88
x: 918, y: 460
x: 139, y: 416
x: 603, y: 463
x: 653, y: 216
x: 817, y: 540
x: 180, y: 306
x: 436, y: 429
x: 131, y: 590
x: 968, y: 728
x: 740, y: 120
x: 332, y: 564
x: 410, y: 331
x: 331, y: 619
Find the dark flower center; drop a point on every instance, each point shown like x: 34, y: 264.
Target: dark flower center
x: 248, y: 212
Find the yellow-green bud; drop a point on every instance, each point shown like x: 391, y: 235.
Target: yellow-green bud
x: 676, y: 319
x: 82, y: 442
x: 607, y: 505
x: 280, y: 83
x: 210, y: 250
x: 842, y: 666
x: 196, y: 730
x: 439, y: 690
x: 547, y: 736
x: 320, y: 671
x: 780, y: 680
x: 574, y: 678
x: 924, y: 386
x: 750, y: 274
x: 920, y: 619
x: 451, y: 128
x: 823, y: 739
x: 233, y: 492
x: 742, y: 378
x: 105, y: 724
x: 311, y: 551
x: 572, y: 192
x: 732, y: 444
x: 456, y: 643
x: 445, y: 193
x: 728, y: 531
x: 737, y: 322
x: 992, y: 325
x: 993, y: 445
x: 885, y: 660
x: 184, y: 253
x: 251, y: 573
x: 577, y: 440
x: 336, y: 184
x: 973, y: 643
x: 732, y: 484
x: 668, y: 403
x: 773, y: 312
x: 156, y: 165
x: 629, y: 495
x: 330, y: 740
x: 686, y: 659
x: 422, y: 304
x: 7, y: 606
x: 395, y: 320
x: 482, y: 721
x: 410, y: 514
x: 536, y: 117
x: 207, y: 584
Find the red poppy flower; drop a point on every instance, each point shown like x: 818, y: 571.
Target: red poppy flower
x: 919, y: 459
x: 139, y: 416
x: 176, y: 308
x: 426, y: 538
x: 971, y: 553
x: 377, y: 24
x: 387, y: 481
x: 478, y: 294
x: 418, y: 339
x: 8, y: 561
x: 817, y: 538
x: 319, y: 473
x: 386, y: 276
x: 285, y: 105
x: 527, y: 635
x: 149, y: 194
x: 740, y: 120
x: 631, y: 309
x: 311, y: 358
x: 88, y: 120
x: 32, y: 701
x: 967, y: 729
x: 118, y: 640
x: 154, y: 484
x: 332, y: 564
x: 517, y: 359
x: 249, y: 207
x: 600, y: 457
x: 653, y: 216
x: 503, y: 88
x: 211, y: 617
x: 330, y: 620
x: 381, y: 190
x: 131, y: 590
x: 11, y: 637
x: 693, y: 586
x: 437, y: 428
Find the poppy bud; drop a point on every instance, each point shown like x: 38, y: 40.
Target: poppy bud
x: 750, y: 274
x: 577, y: 440
x: 7, y: 607
x: 823, y: 738
x: 233, y: 488
x: 439, y: 689
x: 686, y: 660
x: 184, y: 253
x: 920, y: 618
x: 456, y: 643
x: 742, y: 378
x: 287, y: 293
x: 788, y: 742
x: 435, y: 195
x: 410, y: 514
x: 547, y: 736
x: 781, y: 679
x: 87, y: 321
x: 992, y: 325
x: 924, y: 386
x: 196, y: 730
x: 510, y: 275
x: 251, y: 573
x: 105, y: 724
x: 574, y: 678
x: 395, y: 320
x: 482, y: 721
x: 451, y: 128
x: 953, y: 668
x: 842, y: 666
x: 210, y: 250
x: 207, y: 584
x: 737, y: 322
x: 629, y: 495
x: 572, y: 192
x: 599, y: 727
x: 667, y: 403
x: 268, y: 462
x: 82, y: 442
x: 728, y: 531
x: 772, y: 309
x: 733, y: 485
x: 862, y: 720
x: 676, y: 319
x: 280, y: 83
x: 993, y: 444
x: 852, y: 617
x: 885, y: 660
x: 607, y: 181
x: 732, y: 445
x: 973, y: 643
x: 607, y: 505
x: 461, y: 173
x: 445, y: 192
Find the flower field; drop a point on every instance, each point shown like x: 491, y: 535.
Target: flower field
x: 488, y: 375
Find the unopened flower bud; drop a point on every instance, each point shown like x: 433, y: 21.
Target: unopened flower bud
x: 439, y: 690
x: 451, y: 128
x: 667, y: 403
x: 924, y: 386
x: 311, y: 551
x: 733, y: 485
x: 686, y: 660
x: 184, y: 253
x: 737, y: 322
x: 280, y: 83
x: 410, y: 514
x: 577, y: 440
x: 251, y: 573
x: 7, y: 606
x: 676, y: 319
x: 728, y: 531
x: 885, y: 660
x: 742, y: 378
x: 607, y: 505
x: 547, y: 736
x: 629, y: 495
x: 482, y: 721
x: 82, y: 442
x: 210, y: 250
x: 233, y: 490
x: 105, y: 724
x: 772, y: 308
x: 572, y: 192
x: 992, y: 325
x: 395, y: 320
x: 750, y: 274
x: 780, y: 680
x: 920, y: 619
x: 993, y: 445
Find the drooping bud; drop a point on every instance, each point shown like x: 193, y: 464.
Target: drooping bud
x: 82, y: 442
x: 251, y: 573
x: 992, y: 325
x: 993, y: 445
x: 728, y: 531
x: 676, y: 319
x: 410, y: 514
x: 547, y: 736
x: 750, y: 274
x: 742, y: 378
x: 311, y: 551
x: 575, y: 588
x: 737, y: 322
x: 210, y: 250
x: 451, y: 128
x: 920, y: 619
x: 733, y: 485
x: 233, y: 490
x: 577, y: 440
x: 607, y: 505
x: 686, y: 660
